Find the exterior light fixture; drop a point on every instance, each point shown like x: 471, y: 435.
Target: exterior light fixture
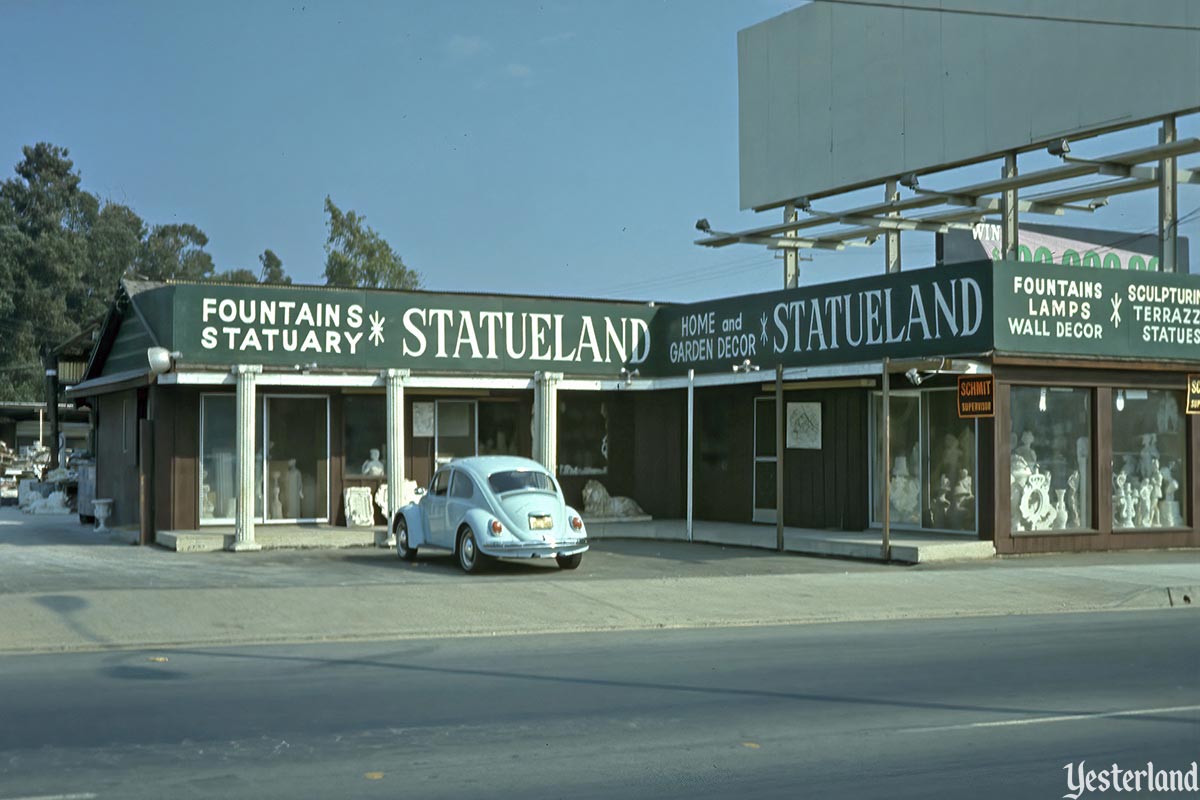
x: 627, y: 375
x: 1059, y: 147
x: 703, y: 226
x: 1042, y: 400
x: 910, y: 181
x: 1120, y: 399
x: 914, y: 377
x: 160, y: 359
x: 745, y: 366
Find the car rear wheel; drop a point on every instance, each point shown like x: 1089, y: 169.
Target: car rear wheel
x: 402, y: 549
x: 469, y: 557
x: 569, y: 562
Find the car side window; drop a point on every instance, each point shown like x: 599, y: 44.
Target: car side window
x: 461, y: 487
x: 441, y: 482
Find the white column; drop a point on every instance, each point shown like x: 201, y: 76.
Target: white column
x: 691, y: 445
x: 394, y: 379
x: 545, y: 419
x: 243, y: 538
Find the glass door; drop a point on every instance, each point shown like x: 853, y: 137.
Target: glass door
x: 296, y: 461
x: 765, y: 461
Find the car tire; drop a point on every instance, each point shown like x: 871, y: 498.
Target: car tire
x: 569, y: 562
x: 469, y: 558
x: 402, y: 549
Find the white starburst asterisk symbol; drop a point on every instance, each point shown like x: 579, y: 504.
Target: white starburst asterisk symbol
x: 377, y: 321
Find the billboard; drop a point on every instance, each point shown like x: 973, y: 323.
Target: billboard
x: 837, y: 95
x: 1058, y: 244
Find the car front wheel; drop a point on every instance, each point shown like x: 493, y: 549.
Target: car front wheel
x: 569, y: 562
x: 469, y: 557
x: 402, y: 548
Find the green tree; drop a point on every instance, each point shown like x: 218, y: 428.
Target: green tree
x: 175, y: 252
x: 240, y: 275
x: 272, y: 269
x: 355, y: 255
x: 46, y: 271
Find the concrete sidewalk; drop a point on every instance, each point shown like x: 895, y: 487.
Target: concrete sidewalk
x: 151, y: 598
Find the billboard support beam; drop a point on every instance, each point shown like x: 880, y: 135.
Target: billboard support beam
x: 1008, y: 209
x: 791, y: 257
x: 1168, y: 201
x: 891, y: 239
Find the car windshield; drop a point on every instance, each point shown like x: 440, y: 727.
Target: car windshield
x: 518, y: 480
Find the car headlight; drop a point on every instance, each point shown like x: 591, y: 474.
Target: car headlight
x: 576, y: 524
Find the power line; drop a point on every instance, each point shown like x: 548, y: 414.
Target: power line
x: 693, y: 275
x: 1011, y: 15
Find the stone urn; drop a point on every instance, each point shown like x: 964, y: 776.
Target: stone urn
x: 101, y: 510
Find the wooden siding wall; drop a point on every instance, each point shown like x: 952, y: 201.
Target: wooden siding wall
x: 723, y: 488
x: 176, y: 415
x: 117, y: 455
x: 828, y: 488
x: 1103, y: 537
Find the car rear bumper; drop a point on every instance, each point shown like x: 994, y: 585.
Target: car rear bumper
x: 533, y: 550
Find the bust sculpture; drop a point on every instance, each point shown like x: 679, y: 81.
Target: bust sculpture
x: 373, y: 466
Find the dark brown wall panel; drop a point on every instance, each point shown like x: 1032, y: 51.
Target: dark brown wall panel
x: 116, y: 456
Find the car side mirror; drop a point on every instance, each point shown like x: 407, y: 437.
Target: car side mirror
x: 420, y: 491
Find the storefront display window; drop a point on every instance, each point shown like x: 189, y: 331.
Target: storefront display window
x: 498, y: 426
x: 291, y: 477
x: 904, y: 471
x: 1149, y: 465
x: 932, y: 474
x: 1051, y: 459
x: 582, y: 435
x: 365, y: 434
x: 455, y: 430
x: 218, y: 459
x: 949, y: 464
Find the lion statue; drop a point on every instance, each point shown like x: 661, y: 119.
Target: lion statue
x: 597, y: 502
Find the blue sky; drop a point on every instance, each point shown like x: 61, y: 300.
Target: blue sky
x: 533, y: 147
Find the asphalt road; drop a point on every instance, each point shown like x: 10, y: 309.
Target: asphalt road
x: 981, y: 708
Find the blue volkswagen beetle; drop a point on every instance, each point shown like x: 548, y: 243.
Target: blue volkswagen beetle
x: 492, y: 507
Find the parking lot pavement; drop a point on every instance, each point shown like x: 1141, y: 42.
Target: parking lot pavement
x: 57, y: 553
x: 63, y: 587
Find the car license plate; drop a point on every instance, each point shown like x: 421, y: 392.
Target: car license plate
x: 540, y: 523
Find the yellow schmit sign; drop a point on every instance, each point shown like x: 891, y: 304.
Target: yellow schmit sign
x: 1193, y: 394
x: 976, y: 396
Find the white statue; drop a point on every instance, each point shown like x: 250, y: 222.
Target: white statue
x: 597, y: 502
x: 207, y: 507
x: 373, y: 466
x: 293, y: 490
x: 276, y: 505
x: 1149, y: 452
x: 1026, y: 450
x: 1122, y: 518
x: 1036, y: 509
x: 1146, y: 504
x: 962, y: 514
x: 939, y: 506
x: 1169, y: 515
x: 904, y: 493
x: 1073, y: 500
